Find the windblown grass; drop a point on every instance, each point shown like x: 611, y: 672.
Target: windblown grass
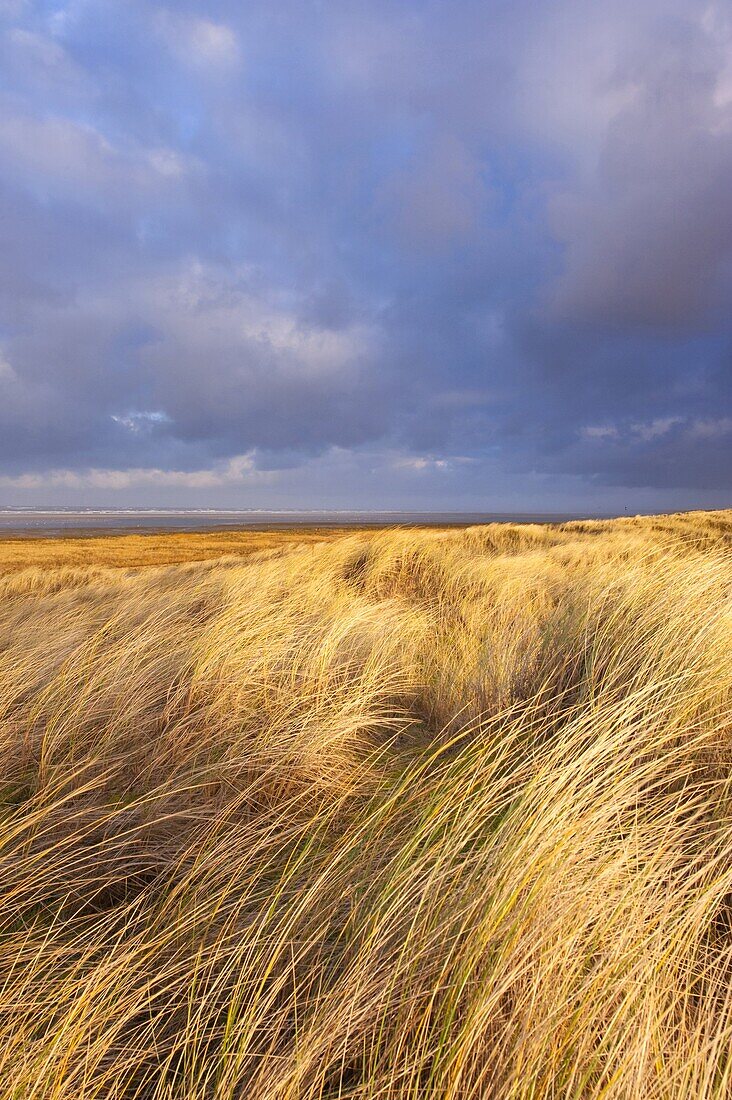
x: 412, y: 814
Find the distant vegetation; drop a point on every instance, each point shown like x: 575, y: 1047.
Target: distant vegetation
x: 134, y: 550
x: 401, y: 814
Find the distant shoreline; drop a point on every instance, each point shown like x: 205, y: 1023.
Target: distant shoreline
x: 79, y: 523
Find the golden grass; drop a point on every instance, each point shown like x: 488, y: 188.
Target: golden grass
x: 400, y: 815
x: 133, y: 551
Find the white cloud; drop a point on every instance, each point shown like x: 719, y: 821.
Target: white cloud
x: 650, y: 430
x: 654, y: 429
x: 7, y: 374
x: 710, y: 428
x: 198, y: 42
x: 568, y: 86
x: 70, y: 158
x: 43, y: 61
x: 428, y: 463
x: 138, y: 422
x: 166, y: 162
x: 238, y: 470
x: 12, y: 9
x: 717, y: 22
x: 599, y: 431
x: 206, y: 310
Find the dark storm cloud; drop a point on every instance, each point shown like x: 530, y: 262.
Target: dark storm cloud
x: 648, y: 236
x: 484, y: 241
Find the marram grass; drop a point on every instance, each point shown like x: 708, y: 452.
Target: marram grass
x: 399, y: 815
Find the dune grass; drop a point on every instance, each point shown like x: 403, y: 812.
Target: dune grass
x: 402, y: 814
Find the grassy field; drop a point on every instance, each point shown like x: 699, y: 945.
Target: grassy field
x: 132, y: 551
x: 393, y: 814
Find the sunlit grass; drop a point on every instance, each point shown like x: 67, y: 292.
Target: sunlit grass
x: 401, y: 814
x: 157, y: 548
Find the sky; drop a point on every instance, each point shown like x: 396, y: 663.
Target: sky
x: 415, y: 254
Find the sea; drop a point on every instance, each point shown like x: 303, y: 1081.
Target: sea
x: 28, y: 522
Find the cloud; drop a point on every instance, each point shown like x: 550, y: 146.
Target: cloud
x: 12, y: 9
x: 238, y: 470
x: 648, y: 230
x: 379, y: 248
x: 599, y: 431
x: 34, y: 60
x: 59, y: 158
x: 711, y: 428
x: 662, y: 453
x: 437, y: 202
x: 655, y: 429
x: 198, y: 41
x: 140, y: 422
